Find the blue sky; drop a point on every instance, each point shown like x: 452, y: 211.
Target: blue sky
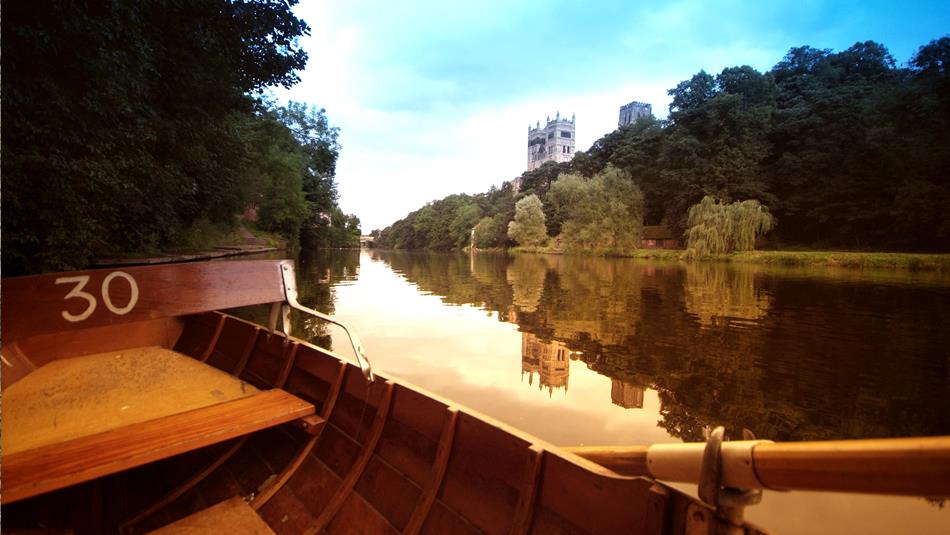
x: 434, y: 97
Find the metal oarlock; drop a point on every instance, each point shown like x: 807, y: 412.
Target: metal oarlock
x: 290, y: 297
x: 728, y: 502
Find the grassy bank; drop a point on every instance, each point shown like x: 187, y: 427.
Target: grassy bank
x: 652, y: 254
x: 910, y: 261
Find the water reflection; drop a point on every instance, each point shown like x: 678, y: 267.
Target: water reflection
x: 613, y: 351
x: 317, y: 275
x: 548, y: 359
x: 716, y: 294
x: 789, y: 358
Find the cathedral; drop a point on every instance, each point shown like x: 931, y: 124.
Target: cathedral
x: 552, y: 143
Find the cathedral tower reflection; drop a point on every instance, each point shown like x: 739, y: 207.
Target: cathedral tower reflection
x: 549, y: 359
x: 626, y: 395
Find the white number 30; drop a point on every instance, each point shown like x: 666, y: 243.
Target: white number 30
x: 81, y: 281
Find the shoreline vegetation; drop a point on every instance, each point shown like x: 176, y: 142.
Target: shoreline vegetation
x: 826, y: 150
x: 140, y: 129
x: 848, y: 259
x: 206, y: 241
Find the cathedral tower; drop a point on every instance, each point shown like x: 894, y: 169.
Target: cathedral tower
x: 552, y: 143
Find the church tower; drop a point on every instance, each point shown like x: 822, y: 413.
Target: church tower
x: 552, y: 143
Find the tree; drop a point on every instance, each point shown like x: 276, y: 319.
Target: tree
x: 318, y: 142
x: 566, y: 195
x: 528, y: 225
x: 690, y: 95
x: 466, y: 217
x: 485, y: 233
x: 605, y: 212
x: 718, y: 228
x: 123, y: 120
x: 846, y: 148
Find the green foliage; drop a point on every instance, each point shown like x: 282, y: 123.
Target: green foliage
x: 846, y: 148
x: 492, y: 231
x: 527, y: 228
x: 604, y: 213
x: 484, y: 233
x: 124, y: 121
x: 565, y: 197
x: 719, y: 228
x: 442, y: 224
x: 466, y: 217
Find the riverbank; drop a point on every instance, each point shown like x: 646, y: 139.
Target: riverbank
x: 909, y: 261
x: 215, y: 245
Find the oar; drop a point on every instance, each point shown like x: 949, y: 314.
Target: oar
x: 905, y: 466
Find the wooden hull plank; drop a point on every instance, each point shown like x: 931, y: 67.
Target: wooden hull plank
x: 438, y: 474
x: 294, y: 465
x: 369, y: 448
x: 63, y: 302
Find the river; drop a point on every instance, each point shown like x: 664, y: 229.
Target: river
x: 596, y: 351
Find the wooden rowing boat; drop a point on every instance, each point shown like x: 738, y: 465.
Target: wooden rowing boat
x: 130, y: 404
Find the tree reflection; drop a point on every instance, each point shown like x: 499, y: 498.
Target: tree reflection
x: 788, y: 358
x: 317, y: 274
x: 716, y: 294
x: 526, y: 274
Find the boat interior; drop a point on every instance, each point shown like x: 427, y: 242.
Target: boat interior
x: 178, y: 418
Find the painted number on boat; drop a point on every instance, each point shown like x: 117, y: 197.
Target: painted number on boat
x: 77, y: 292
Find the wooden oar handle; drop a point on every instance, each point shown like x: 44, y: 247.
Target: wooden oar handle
x: 905, y: 466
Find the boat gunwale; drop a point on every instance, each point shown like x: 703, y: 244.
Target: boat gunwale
x: 464, y: 409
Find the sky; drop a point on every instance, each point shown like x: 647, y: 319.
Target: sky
x: 435, y: 97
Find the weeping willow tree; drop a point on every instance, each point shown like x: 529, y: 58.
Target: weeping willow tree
x: 719, y: 228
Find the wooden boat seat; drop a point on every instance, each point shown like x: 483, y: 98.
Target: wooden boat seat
x: 81, y: 418
x: 234, y: 517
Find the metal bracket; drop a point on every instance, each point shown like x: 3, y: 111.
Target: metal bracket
x: 290, y: 296
x: 728, y: 502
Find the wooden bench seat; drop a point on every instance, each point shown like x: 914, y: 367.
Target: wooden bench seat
x: 81, y: 418
x: 234, y: 517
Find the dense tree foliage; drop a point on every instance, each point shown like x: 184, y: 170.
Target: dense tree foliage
x: 527, y: 228
x: 126, y: 123
x: 718, y: 228
x: 846, y: 149
x: 448, y: 223
x: 602, y: 214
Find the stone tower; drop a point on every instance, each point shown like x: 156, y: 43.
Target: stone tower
x: 552, y: 143
x: 629, y: 113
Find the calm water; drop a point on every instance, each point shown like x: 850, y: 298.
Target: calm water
x: 592, y: 351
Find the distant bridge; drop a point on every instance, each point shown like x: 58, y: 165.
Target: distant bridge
x: 367, y: 241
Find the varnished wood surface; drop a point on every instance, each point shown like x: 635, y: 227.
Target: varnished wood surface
x: 15, y: 364
x: 36, y: 304
x: 45, y: 348
x: 81, y: 396
x: 231, y: 517
x: 390, y: 458
x: 313, y: 425
x: 58, y: 465
x: 917, y: 466
x: 421, y: 512
x: 333, y: 506
x: 183, y: 487
x: 911, y: 466
x: 627, y: 460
